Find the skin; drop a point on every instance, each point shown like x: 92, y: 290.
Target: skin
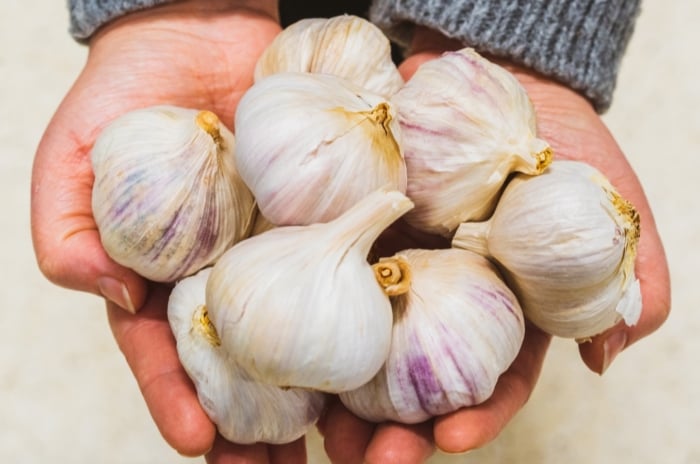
x: 201, y: 55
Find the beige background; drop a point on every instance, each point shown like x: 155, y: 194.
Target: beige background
x: 66, y: 394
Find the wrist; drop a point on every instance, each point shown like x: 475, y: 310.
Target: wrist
x: 206, y: 8
x: 199, y: 22
x: 90, y: 18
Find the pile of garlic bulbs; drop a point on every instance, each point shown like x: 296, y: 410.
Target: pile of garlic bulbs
x: 267, y: 234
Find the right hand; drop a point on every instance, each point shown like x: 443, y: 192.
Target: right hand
x: 197, y: 54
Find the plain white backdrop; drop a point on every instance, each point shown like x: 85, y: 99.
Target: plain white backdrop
x: 67, y: 396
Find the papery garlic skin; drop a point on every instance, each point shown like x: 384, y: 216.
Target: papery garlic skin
x: 167, y: 198
x: 346, y: 46
x: 260, y: 224
x: 566, y: 242
x: 466, y: 125
x: 299, y: 306
x: 245, y: 411
x: 310, y: 146
x: 456, y: 330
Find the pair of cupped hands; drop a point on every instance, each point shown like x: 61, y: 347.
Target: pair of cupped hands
x: 201, y: 55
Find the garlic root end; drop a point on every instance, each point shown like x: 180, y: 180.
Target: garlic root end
x: 393, y: 275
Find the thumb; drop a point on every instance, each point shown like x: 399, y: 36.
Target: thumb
x: 65, y: 237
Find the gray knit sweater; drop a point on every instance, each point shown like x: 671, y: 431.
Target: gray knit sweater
x: 577, y: 42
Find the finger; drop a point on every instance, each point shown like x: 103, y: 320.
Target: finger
x: 472, y: 427
x: 290, y: 453
x: 65, y: 237
x: 399, y: 443
x: 345, y: 436
x: 148, y: 345
x: 225, y: 452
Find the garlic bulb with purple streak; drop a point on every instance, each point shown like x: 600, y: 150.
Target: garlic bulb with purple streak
x: 244, y: 411
x: 457, y: 327
x: 466, y: 125
x: 167, y: 198
x: 566, y: 242
x: 299, y: 306
x: 310, y: 146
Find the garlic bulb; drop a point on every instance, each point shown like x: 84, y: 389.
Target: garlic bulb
x: 309, y: 146
x: 567, y: 242
x: 244, y: 411
x: 457, y: 328
x: 347, y: 46
x: 167, y: 198
x: 299, y: 306
x: 466, y: 125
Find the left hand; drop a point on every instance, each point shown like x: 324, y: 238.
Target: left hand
x: 575, y: 131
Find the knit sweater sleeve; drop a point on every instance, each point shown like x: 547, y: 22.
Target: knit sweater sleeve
x: 577, y: 42
x: 86, y: 16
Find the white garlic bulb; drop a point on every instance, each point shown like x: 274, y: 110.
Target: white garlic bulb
x: 167, y: 197
x: 457, y: 328
x: 244, y: 410
x: 347, y: 46
x: 466, y: 125
x: 299, y: 306
x: 567, y: 242
x: 309, y: 146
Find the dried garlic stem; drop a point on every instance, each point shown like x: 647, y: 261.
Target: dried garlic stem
x: 393, y: 275
x: 632, y: 229
x: 381, y: 115
x: 209, y: 122
x: 201, y: 322
x: 544, y: 159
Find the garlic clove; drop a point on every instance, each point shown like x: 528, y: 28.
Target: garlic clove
x: 466, y: 125
x: 311, y: 168
x: 299, y: 306
x: 245, y: 411
x: 567, y: 242
x: 346, y: 46
x: 167, y: 198
x: 457, y: 327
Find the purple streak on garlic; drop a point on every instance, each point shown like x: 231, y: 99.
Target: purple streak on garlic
x: 167, y: 198
x: 466, y: 125
x: 456, y: 328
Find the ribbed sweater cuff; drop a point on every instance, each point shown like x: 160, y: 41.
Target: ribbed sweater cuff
x: 86, y: 16
x: 577, y: 42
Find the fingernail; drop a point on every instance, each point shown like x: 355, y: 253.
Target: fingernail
x: 115, y: 291
x: 611, y: 348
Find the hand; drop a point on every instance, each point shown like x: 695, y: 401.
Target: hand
x: 574, y: 130
x: 191, y: 53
